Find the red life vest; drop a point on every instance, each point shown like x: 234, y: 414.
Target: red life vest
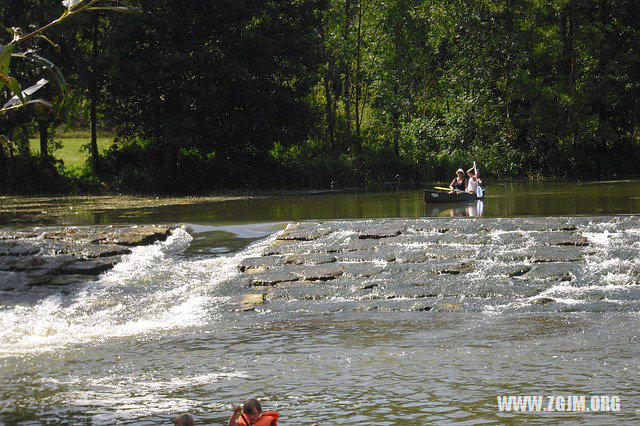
x: 268, y: 418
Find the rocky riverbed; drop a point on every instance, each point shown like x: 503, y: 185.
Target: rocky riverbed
x: 424, y: 264
x: 61, y: 256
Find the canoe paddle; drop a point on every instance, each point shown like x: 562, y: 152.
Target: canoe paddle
x: 479, y: 190
x: 442, y: 188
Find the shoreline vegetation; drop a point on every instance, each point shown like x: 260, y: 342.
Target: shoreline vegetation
x: 304, y: 94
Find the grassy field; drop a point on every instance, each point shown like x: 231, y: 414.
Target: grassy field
x: 71, y: 152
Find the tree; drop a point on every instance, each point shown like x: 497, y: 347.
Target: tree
x: 221, y: 83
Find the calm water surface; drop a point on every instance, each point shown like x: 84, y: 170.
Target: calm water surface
x: 158, y: 334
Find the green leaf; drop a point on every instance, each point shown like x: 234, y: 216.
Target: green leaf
x: 5, y: 58
x: 14, y: 86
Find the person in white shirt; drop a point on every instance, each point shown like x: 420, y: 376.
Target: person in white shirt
x: 474, y: 180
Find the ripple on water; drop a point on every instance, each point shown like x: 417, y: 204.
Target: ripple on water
x: 424, y: 339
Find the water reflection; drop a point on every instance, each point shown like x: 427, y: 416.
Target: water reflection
x: 471, y: 209
x: 510, y: 199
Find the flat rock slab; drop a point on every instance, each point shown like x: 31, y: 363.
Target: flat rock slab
x: 555, y: 254
x: 248, y: 302
x: 260, y: 262
x: 365, y: 256
x: 311, y: 258
x: 58, y: 256
x: 391, y: 264
x: 302, y: 232
x: 572, y: 241
x: 552, y: 271
x: 134, y: 236
x: 270, y: 278
x: 86, y: 267
x: 319, y: 272
x: 379, y: 232
x: 18, y: 248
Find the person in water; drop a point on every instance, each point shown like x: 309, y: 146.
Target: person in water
x: 457, y: 184
x: 184, y: 420
x: 474, y: 180
x: 251, y: 414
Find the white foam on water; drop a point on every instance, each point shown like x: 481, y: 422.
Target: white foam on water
x: 150, y: 289
x: 136, y: 396
x: 600, y: 238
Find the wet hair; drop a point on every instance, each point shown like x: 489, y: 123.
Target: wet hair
x: 252, y: 405
x: 184, y: 420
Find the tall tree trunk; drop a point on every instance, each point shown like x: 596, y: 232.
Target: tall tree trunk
x: 346, y: 70
x: 328, y: 88
x: 169, y: 166
x: 357, y: 76
x: 396, y: 133
x: 330, y: 109
x: 567, y: 27
x: 43, y: 130
x: 93, y: 95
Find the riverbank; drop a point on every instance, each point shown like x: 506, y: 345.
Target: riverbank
x: 19, y: 209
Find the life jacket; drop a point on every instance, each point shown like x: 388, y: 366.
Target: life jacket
x: 268, y: 418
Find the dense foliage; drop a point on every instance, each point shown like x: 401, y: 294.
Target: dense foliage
x: 301, y: 93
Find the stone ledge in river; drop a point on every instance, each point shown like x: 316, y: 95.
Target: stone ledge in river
x: 456, y: 269
x: 256, y: 264
x: 555, y: 254
x: 379, y: 232
x: 518, y: 270
x: 320, y: 272
x: 134, y: 236
x: 303, y: 232
x: 415, y: 256
x: 541, y: 300
x: 248, y: 302
x: 572, y: 241
x: 365, y: 256
x: 562, y: 272
x: 17, y: 248
x: 480, y: 260
x: 273, y: 278
x: 310, y: 258
x: 59, y: 256
x: 86, y: 267
x: 362, y: 269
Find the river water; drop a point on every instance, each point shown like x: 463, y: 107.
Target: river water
x: 161, y: 334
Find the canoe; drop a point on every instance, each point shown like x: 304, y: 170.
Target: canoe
x: 444, y: 197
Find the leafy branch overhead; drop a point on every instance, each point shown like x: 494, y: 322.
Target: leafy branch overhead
x: 22, y: 97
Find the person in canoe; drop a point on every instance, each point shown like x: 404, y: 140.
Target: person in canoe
x: 457, y: 184
x: 474, y: 179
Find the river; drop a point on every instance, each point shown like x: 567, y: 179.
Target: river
x: 534, y: 291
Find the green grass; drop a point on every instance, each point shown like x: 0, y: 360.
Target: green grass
x: 71, y: 152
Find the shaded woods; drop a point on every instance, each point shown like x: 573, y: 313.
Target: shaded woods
x: 250, y: 94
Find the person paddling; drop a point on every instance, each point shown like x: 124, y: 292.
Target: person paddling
x: 251, y: 415
x: 457, y: 184
x: 474, y: 179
